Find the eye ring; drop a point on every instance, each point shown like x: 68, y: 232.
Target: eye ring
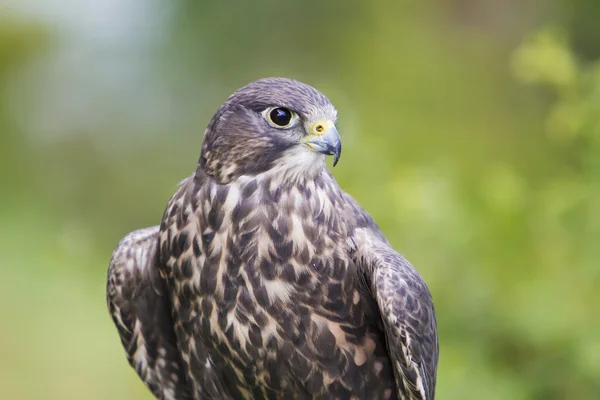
x: 280, y: 117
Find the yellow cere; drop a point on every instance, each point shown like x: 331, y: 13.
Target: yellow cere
x: 321, y: 127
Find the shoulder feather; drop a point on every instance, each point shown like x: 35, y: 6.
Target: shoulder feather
x: 407, y: 312
x: 140, y: 309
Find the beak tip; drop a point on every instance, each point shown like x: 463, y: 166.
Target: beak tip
x: 336, y: 157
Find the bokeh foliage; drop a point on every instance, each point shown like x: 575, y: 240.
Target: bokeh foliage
x: 471, y: 133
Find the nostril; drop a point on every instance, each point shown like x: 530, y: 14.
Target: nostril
x: 319, y: 128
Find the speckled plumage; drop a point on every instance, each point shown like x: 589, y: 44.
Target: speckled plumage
x: 266, y: 280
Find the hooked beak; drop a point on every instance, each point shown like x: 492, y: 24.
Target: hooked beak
x: 325, y: 139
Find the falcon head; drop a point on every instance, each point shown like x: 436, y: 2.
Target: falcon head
x: 273, y: 124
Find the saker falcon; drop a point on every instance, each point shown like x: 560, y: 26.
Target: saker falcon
x: 265, y: 280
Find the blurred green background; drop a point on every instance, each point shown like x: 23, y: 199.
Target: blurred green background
x: 471, y: 133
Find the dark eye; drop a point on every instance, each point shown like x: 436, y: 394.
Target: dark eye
x: 280, y: 117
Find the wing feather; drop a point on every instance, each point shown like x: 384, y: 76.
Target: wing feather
x: 141, y: 311
x: 407, y: 312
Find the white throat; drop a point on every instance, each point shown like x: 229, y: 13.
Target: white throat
x: 296, y: 165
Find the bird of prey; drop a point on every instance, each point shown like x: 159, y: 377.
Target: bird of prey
x: 265, y: 280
